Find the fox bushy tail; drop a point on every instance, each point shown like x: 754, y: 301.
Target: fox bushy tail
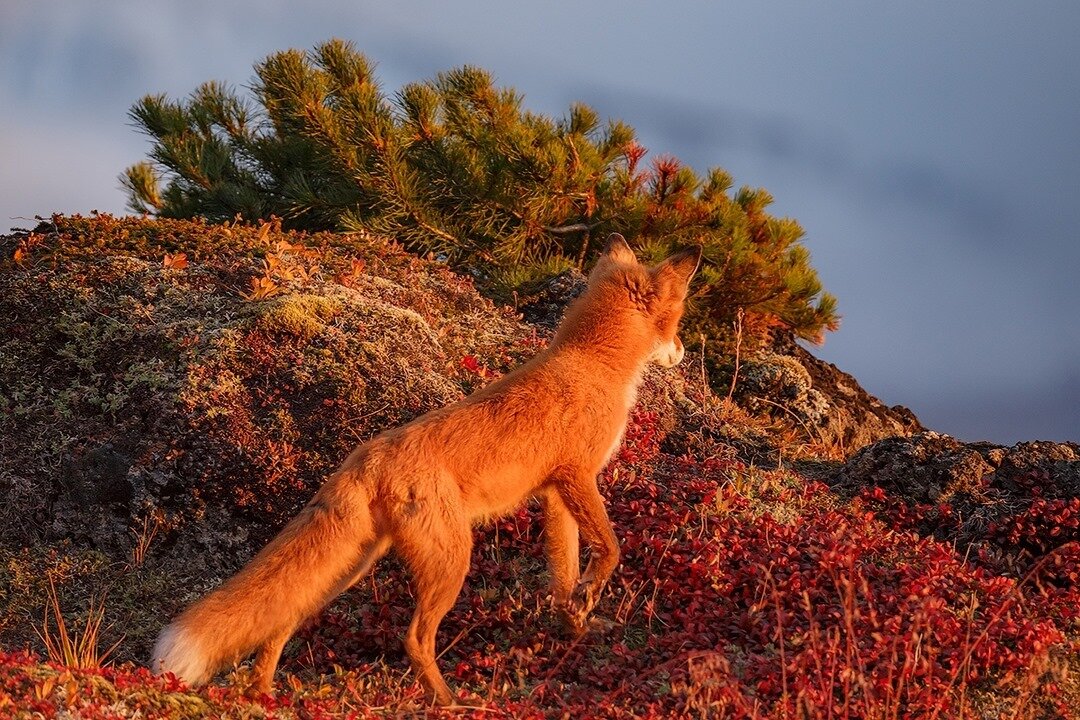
x: 329, y: 545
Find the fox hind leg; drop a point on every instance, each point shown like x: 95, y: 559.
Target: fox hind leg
x: 266, y: 661
x: 437, y: 553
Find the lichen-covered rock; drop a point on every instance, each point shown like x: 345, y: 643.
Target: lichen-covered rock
x: 769, y: 380
x: 824, y: 405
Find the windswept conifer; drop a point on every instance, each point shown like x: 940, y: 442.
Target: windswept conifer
x: 456, y: 166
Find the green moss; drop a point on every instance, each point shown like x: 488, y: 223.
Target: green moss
x: 301, y: 315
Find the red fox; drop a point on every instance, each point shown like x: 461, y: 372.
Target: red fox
x: 544, y: 430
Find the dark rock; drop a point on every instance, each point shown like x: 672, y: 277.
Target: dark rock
x: 974, y: 494
x: 921, y: 468
x: 94, y: 500
x: 97, y: 477
x: 1054, y: 467
x: 545, y: 304
x: 929, y: 466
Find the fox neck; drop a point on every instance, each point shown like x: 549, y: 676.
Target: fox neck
x: 600, y: 336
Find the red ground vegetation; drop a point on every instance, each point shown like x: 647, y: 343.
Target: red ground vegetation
x: 741, y: 593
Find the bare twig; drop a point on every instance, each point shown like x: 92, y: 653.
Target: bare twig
x: 738, y: 351
x: 569, y: 229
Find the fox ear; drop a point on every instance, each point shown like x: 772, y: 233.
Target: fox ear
x: 617, y: 250
x: 678, y: 269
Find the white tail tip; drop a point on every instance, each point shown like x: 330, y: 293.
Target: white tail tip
x: 178, y: 652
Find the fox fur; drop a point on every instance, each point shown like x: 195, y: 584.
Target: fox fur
x: 544, y: 430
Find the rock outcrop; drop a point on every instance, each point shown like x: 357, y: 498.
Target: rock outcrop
x: 850, y: 416
x: 133, y: 386
x: 825, y: 405
x: 930, y: 468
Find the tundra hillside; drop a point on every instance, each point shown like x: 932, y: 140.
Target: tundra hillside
x: 171, y: 392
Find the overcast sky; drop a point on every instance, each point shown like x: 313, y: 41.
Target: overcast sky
x: 930, y: 150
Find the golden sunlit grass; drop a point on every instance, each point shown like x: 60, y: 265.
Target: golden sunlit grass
x: 143, y: 537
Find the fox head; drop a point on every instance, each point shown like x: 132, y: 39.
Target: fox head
x: 645, y: 302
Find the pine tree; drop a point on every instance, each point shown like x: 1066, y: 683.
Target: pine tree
x: 457, y: 167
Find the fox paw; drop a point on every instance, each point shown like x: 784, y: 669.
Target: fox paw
x: 598, y: 624
x: 572, y: 622
x: 575, y: 613
x: 585, y: 595
x: 575, y: 625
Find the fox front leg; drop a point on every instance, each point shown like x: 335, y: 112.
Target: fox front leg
x: 584, y: 502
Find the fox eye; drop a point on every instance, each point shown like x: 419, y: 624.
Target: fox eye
x: 667, y: 324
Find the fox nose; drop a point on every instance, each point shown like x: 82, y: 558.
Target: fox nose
x: 680, y: 351
x: 670, y: 354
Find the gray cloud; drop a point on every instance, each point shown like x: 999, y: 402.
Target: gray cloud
x: 695, y: 130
